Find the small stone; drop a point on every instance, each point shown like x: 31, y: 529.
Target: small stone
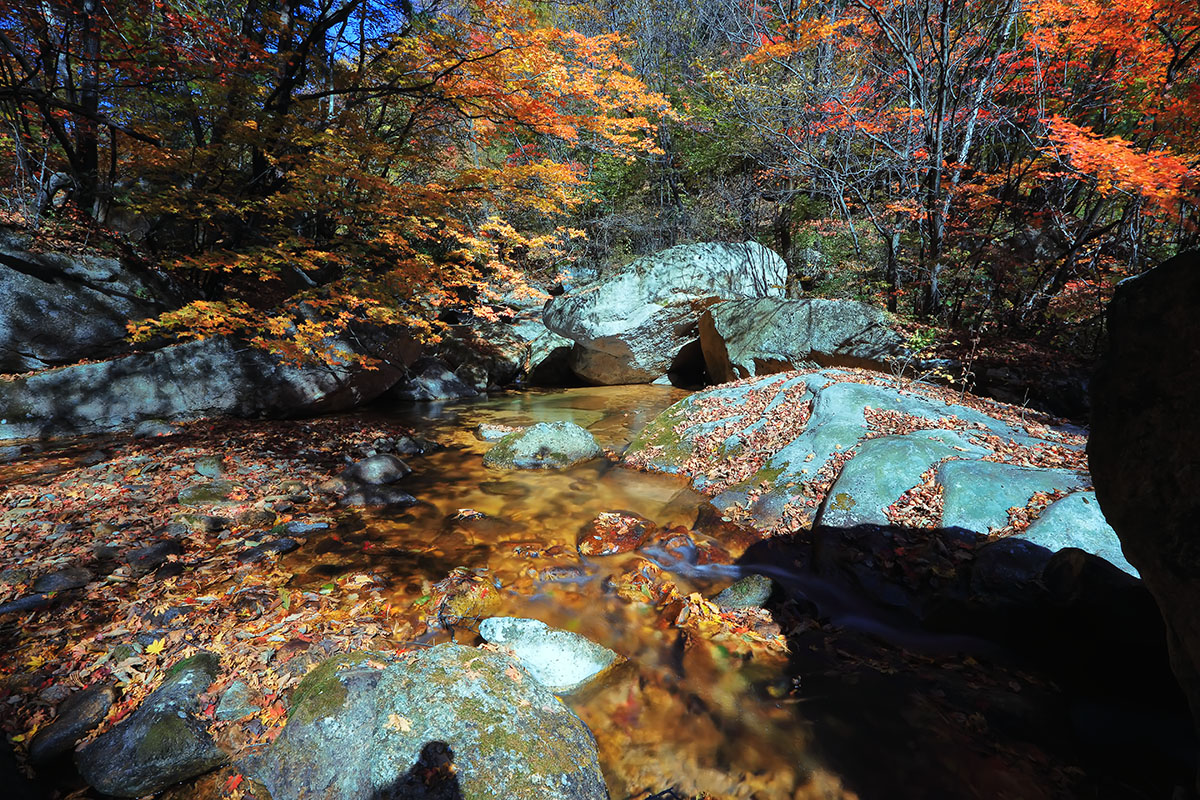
x: 256, y: 518
x: 388, y: 496
x: 300, y: 528
x: 147, y: 559
x: 210, y: 466
x: 236, y: 702
x: 376, y: 470
x: 211, y: 493
x: 748, y: 592
x: 262, y: 551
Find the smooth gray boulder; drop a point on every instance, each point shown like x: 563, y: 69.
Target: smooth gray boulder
x: 443, y: 722
x: 546, y: 445
x: 559, y: 660
x: 978, y: 494
x: 630, y: 327
x: 219, y: 376
x: 885, y: 468
x: 57, y: 308
x: 162, y: 743
x: 744, y: 338
x: 1076, y: 521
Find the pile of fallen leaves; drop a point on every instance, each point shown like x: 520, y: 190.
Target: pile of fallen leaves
x: 90, y: 505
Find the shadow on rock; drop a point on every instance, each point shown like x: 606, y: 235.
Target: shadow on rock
x: 432, y: 777
x: 931, y: 663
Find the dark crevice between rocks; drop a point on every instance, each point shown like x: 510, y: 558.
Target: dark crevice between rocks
x: 687, y: 370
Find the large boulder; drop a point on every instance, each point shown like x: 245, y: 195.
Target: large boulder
x: 219, y: 376
x: 58, y: 308
x: 431, y: 380
x: 439, y: 723
x: 631, y: 327
x: 1145, y: 446
x: 485, y: 355
x: 743, y: 338
x: 162, y: 743
x: 851, y: 451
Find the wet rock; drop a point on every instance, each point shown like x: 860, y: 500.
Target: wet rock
x: 386, y: 496
x: 147, y: 559
x: 613, y: 532
x: 564, y: 574
x: 465, y: 594
x: 303, y: 528
x: 559, y: 660
x: 447, y: 721
x: 204, y: 494
x: 256, y: 518
x: 30, y: 602
x: 236, y: 702
x: 377, y: 470
x: 687, y: 548
x: 493, y: 432
x: 64, y: 580
x: 751, y: 591
x: 266, y: 549
x: 161, y: 743
x: 553, y: 445
x: 485, y: 355
x: 77, y: 716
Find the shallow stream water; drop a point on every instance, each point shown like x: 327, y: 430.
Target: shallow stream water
x: 858, y: 708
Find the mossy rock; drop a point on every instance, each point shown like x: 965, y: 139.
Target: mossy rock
x: 394, y: 727
x: 206, y: 494
x: 547, y: 445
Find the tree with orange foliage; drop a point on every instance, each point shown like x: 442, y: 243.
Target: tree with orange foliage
x: 372, y: 160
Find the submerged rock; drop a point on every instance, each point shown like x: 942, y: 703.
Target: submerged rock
x: 559, y: 660
x: 546, y: 445
x: 443, y: 722
x: 614, y: 532
x: 751, y: 591
x: 162, y: 743
x: 377, y: 470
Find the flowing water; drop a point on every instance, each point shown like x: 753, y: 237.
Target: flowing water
x: 683, y: 712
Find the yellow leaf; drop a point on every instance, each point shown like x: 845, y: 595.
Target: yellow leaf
x: 398, y: 723
x: 156, y: 647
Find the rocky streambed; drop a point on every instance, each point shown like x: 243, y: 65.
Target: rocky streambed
x: 819, y: 584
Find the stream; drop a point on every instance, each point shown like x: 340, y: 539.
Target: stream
x: 862, y: 703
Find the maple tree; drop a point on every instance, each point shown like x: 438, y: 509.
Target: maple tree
x: 368, y: 159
